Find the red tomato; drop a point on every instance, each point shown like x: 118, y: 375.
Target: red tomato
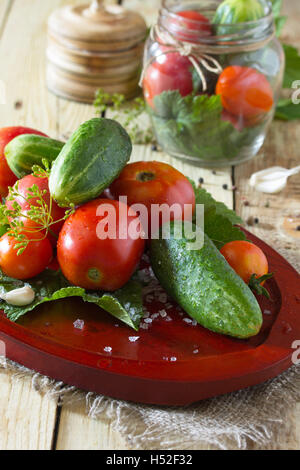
x: 7, y: 177
x: 193, y: 26
x: 57, y: 212
x: 246, y: 259
x: 34, y: 259
x: 244, y: 92
x: 154, y: 183
x: 170, y: 71
x: 91, y: 262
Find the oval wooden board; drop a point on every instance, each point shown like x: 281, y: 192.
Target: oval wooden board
x: 206, y: 365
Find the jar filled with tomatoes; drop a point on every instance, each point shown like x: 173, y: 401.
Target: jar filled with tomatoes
x: 212, y: 76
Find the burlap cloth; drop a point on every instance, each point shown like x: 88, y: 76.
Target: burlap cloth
x: 260, y: 416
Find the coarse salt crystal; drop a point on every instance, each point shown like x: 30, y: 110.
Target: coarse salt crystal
x: 154, y: 316
x: 133, y: 339
x: 173, y: 359
x: 108, y: 349
x: 195, y: 351
x: 187, y: 320
x: 194, y: 323
x: 167, y: 318
x: 148, y: 320
x: 163, y: 313
x: 78, y: 324
x: 144, y: 326
x: 267, y: 312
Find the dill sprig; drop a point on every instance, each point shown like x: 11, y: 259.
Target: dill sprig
x: 39, y: 212
x: 128, y: 113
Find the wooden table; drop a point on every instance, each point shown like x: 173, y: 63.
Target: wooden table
x: 28, y: 420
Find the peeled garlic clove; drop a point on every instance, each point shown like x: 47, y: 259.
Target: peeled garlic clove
x: 19, y: 297
x: 272, y: 180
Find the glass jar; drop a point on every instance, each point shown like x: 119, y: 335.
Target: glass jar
x: 211, y: 90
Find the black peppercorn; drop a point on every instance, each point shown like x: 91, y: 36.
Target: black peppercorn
x: 201, y: 180
x: 225, y: 186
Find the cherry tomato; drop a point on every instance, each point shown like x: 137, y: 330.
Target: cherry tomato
x: 57, y: 212
x: 34, y: 259
x: 246, y: 259
x: 190, y: 26
x: 151, y: 183
x: 170, y: 71
x: 7, y: 177
x: 244, y: 92
x: 90, y: 260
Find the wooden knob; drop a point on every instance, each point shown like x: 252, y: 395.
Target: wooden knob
x: 97, y: 5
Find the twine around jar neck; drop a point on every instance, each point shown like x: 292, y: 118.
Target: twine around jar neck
x: 198, y: 54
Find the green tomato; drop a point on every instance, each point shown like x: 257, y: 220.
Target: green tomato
x: 239, y: 11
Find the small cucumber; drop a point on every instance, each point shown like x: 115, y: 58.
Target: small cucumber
x: 90, y: 161
x: 204, y: 285
x: 27, y: 150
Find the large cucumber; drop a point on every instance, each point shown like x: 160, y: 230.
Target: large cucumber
x: 25, y: 151
x: 204, y: 285
x: 91, y: 159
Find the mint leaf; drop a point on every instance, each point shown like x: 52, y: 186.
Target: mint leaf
x: 193, y: 125
x: 286, y: 110
x: 125, y: 304
x: 292, y: 65
x: 219, y: 220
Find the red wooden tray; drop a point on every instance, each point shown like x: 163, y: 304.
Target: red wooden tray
x: 173, y: 362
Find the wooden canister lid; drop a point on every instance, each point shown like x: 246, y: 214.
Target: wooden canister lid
x: 98, y: 26
x: 94, y: 46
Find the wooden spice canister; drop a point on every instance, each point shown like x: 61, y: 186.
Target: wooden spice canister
x: 94, y: 46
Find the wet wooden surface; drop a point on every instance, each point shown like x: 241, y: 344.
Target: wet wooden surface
x: 27, y: 419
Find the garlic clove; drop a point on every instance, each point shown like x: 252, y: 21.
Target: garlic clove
x: 19, y: 297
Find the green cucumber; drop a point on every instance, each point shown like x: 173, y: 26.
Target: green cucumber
x: 233, y: 12
x: 25, y: 151
x: 204, y: 285
x: 91, y: 160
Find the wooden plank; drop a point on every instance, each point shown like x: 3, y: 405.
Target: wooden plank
x: 4, y: 12
x: 27, y: 99
x: 27, y: 419
x: 79, y: 432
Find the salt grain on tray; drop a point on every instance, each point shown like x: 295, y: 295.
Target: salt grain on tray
x: 163, y: 313
x: 187, y: 320
x: 108, y: 349
x: 133, y: 339
x: 154, y: 316
x: 78, y: 324
x: 148, y: 320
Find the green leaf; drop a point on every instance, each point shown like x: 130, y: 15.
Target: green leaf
x: 125, y: 304
x: 204, y: 197
x: 219, y: 220
x: 193, y: 125
x: 292, y: 66
x: 287, y: 110
x: 279, y: 19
